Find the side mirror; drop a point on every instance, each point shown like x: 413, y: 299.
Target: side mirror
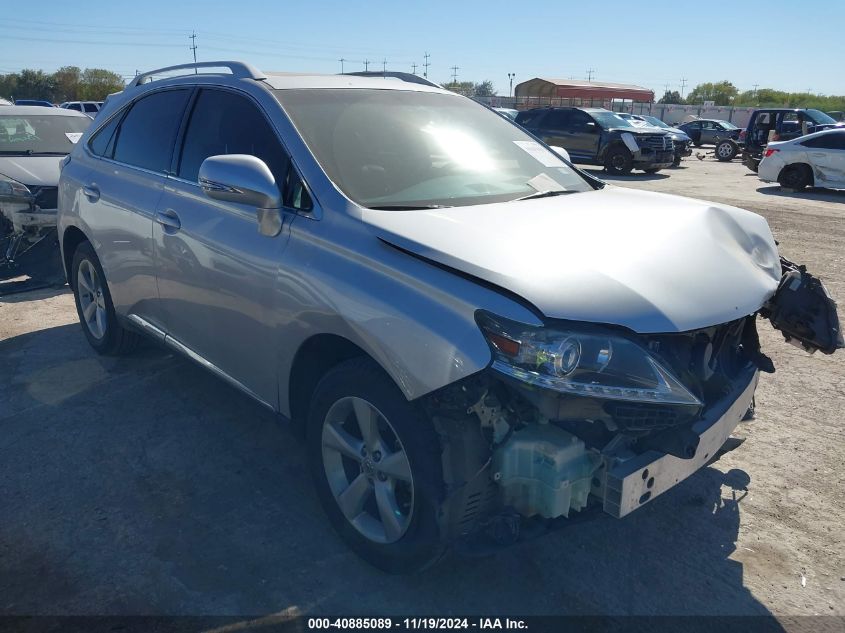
x: 561, y: 152
x: 244, y: 179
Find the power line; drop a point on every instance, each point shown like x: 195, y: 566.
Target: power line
x: 455, y: 70
x: 426, y: 65
x: 414, y: 68
x: 683, y: 87
x: 366, y: 65
x: 590, y: 74
x: 193, y: 47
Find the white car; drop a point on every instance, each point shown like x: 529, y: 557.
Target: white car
x: 814, y: 160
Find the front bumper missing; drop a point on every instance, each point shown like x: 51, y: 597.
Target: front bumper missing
x: 635, y: 482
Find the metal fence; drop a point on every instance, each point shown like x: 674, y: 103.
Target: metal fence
x: 670, y: 113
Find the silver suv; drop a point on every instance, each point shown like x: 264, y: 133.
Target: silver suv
x: 474, y: 335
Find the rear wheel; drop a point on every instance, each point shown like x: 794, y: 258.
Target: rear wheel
x: 94, y: 305
x: 726, y: 150
x: 652, y: 170
x: 795, y: 177
x: 619, y: 161
x: 376, y: 464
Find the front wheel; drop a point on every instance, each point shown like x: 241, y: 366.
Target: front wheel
x: 94, y: 305
x: 619, y: 161
x: 726, y: 150
x: 376, y: 465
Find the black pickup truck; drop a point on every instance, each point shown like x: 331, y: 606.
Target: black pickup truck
x: 596, y: 136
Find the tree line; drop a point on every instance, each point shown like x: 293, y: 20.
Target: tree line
x: 68, y: 83
x: 724, y: 93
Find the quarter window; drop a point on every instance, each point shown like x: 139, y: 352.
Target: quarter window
x: 102, y: 143
x: 147, y: 134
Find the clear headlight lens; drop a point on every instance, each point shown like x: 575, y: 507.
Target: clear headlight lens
x: 580, y: 362
x: 13, y: 191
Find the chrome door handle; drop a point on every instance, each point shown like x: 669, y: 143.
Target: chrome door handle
x: 92, y: 192
x: 168, y: 219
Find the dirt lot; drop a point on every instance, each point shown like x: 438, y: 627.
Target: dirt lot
x: 146, y: 486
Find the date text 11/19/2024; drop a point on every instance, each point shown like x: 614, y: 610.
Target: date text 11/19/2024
x: 418, y: 623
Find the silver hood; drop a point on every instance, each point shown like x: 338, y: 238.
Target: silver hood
x: 647, y: 261
x: 42, y: 171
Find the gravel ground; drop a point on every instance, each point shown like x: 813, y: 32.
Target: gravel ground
x: 144, y: 485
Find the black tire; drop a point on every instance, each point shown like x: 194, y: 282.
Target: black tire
x: 115, y: 340
x: 726, y: 150
x: 676, y: 162
x: 795, y: 177
x: 421, y: 544
x: 619, y: 161
x: 652, y: 170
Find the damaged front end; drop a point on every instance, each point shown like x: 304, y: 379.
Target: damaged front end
x: 572, y: 417
x: 28, y: 242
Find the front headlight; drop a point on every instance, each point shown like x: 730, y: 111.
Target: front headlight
x: 13, y: 191
x: 581, y: 362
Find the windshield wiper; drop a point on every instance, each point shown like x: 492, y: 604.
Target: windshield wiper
x: 409, y: 207
x: 544, y: 194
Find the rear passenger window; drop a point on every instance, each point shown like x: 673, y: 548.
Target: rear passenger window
x: 226, y: 123
x: 90, y: 107
x: 146, y: 135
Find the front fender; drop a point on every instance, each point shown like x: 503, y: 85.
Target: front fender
x: 416, y: 319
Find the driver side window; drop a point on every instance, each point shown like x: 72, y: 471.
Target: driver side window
x: 223, y: 122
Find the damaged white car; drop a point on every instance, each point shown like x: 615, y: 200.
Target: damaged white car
x: 476, y: 337
x: 33, y: 141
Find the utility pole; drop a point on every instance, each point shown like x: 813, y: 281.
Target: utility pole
x: 414, y: 68
x: 755, y: 90
x: 683, y: 87
x: 341, y: 60
x: 665, y: 88
x: 455, y: 70
x: 590, y: 74
x: 193, y: 47
x: 366, y: 65
x: 510, y: 78
x: 426, y: 65
x: 384, y: 66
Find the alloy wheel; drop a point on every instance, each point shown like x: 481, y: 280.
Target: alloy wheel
x: 91, y: 299
x: 367, y: 470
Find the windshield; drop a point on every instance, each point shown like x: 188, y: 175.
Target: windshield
x: 607, y: 119
x: 408, y: 149
x: 820, y: 117
x: 727, y: 124
x: 653, y: 120
x: 26, y: 134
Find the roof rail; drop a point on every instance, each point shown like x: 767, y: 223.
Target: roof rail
x: 240, y: 70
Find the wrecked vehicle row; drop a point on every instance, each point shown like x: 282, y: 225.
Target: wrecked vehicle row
x: 478, y: 339
x: 33, y: 141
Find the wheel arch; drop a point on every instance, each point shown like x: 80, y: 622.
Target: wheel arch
x: 811, y: 174
x: 315, y: 357
x: 72, y: 237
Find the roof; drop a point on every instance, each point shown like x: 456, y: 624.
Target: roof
x: 30, y: 110
x: 589, y: 84
x: 292, y: 81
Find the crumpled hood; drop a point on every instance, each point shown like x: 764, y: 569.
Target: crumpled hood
x: 647, y: 261
x: 42, y: 171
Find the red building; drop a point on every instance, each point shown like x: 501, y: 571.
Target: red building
x: 546, y: 90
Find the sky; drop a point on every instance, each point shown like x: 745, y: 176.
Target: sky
x: 789, y: 45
